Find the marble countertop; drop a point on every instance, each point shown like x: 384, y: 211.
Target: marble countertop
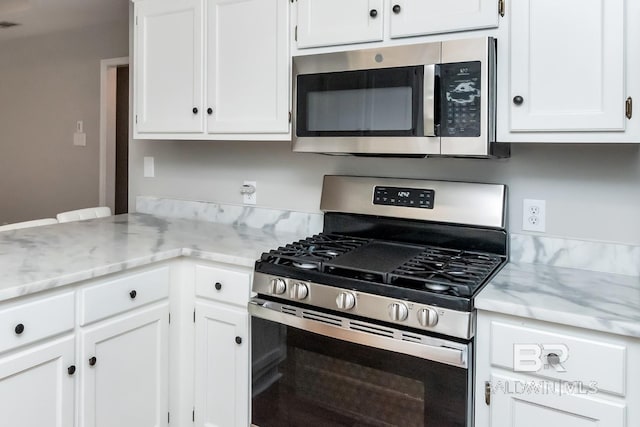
x: 586, y: 299
x: 40, y: 258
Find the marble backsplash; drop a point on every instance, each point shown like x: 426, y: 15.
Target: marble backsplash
x: 525, y: 248
x: 247, y: 216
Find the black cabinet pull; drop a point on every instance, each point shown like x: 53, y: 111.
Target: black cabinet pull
x: 218, y: 286
x: 396, y: 9
x: 373, y: 13
x: 71, y: 369
x: 92, y: 361
x: 209, y: 111
x: 195, y: 110
x: 238, y: 340
x: 133, y: 294
x: 19, y: 328
x: 518, y: 100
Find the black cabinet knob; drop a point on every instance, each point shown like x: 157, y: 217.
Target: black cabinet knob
x: 195, y: 110
x: 238, y: 340
x: 133, y: 294
x: 518, y: 100
x: 373, y: 13
x: 218, y: 286
x: 396, y: 9
x: 209, y: 111
x: 19, y: 328
x: 92, y: 361
x: 71, y: 369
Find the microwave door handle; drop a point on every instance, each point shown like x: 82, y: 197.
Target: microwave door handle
x: 429, y: 98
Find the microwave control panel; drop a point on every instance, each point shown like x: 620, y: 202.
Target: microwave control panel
x: 460, y: 95
x: 406, y: 197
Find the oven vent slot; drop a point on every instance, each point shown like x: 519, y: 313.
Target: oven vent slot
x: 289, y: 310
x: 363, y: 327
x: 411, y: 338
x: 330, y: 320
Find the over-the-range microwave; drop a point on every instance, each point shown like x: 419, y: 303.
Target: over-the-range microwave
x: 429, y: 99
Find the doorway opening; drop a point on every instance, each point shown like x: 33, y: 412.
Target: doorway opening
x: 114, y: 134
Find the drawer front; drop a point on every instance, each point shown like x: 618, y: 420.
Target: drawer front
x: 591, y: 361
x: 223, y: 285
x: 125, y: 293
x: 35, y: 320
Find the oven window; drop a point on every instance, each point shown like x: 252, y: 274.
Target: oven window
x: 379, y: 102
x: 304, y: 379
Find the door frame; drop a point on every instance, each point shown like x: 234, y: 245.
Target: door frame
x: 106, y: 86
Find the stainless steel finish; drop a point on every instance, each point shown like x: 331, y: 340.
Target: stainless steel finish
x: 298, y: 291
x: 277, y: 286
x: 429, y: 97
x: 483, y: 50
x: 428, y: 317
x: 355, y: 331
x: 398, y: 312
x: 455, y: 202
x: 454, y: 323
x: 345, y: 300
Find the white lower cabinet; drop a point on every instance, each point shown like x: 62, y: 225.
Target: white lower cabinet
x: 125, y: 370
x: 221, y: 366
x: 531, y: 373
x: 37, y: 385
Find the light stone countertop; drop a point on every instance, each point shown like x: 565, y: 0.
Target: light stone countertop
x: 41, y: 258
x: 585, y: 299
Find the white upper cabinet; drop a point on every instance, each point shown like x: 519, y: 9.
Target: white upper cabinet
x: 322, y: 23
x: 248, y: 66
x: 567, y: 71
x: 168, y: 66
x: 421, y: 17
x: 212, y: 69
x: 567, y: 68
x: 336, y: 22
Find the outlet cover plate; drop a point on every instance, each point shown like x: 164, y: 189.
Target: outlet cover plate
x: 534, y: 215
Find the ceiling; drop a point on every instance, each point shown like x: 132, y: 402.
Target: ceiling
x: 37, y: 17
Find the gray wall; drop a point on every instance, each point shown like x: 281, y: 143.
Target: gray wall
x: 47, y: 83
x: 592, y: 191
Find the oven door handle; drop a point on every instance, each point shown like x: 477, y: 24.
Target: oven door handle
x: 448, y: 352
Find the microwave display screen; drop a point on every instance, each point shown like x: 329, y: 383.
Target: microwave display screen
x: 460, y: 97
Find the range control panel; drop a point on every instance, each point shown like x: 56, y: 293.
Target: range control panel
x: 407, y: 197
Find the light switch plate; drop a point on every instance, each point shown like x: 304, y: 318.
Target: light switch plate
x: 80, y: 139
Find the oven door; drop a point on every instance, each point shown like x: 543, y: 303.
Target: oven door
x: 318, y: 369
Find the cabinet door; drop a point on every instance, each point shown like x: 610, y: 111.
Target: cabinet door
x: 222, y: 366
x: 335, y: 22
x: 515, y: 405
x: 36, y: 388
x: 247, y: 66
x: 567, y: 68
x: 125, y: 370
x: 168, y: 66
x: 419, y: 17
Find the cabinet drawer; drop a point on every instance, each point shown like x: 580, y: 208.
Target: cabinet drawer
x: 587, y: 359
x: 223, y: 285
x: 125, y: 293
x: 28, y: 322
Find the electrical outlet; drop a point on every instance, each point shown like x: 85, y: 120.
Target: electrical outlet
x: 249, y: 193
x: 533, y: 215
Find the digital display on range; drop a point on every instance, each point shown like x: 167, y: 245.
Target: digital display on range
x: 407, y: 197
x: 460, y: 94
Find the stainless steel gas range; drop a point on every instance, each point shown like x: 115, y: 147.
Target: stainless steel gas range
x: 371, y: 322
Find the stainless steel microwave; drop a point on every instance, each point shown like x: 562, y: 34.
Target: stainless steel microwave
x: 416, y: 100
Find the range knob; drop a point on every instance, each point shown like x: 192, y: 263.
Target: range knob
x: 346, y: 300
x: 398, y: 312
x: 427, y: 317
x: 299, y: 291
x: 278, y: 286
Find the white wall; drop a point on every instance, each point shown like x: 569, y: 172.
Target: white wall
x: 47, y: 83
x: 592, y: 191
